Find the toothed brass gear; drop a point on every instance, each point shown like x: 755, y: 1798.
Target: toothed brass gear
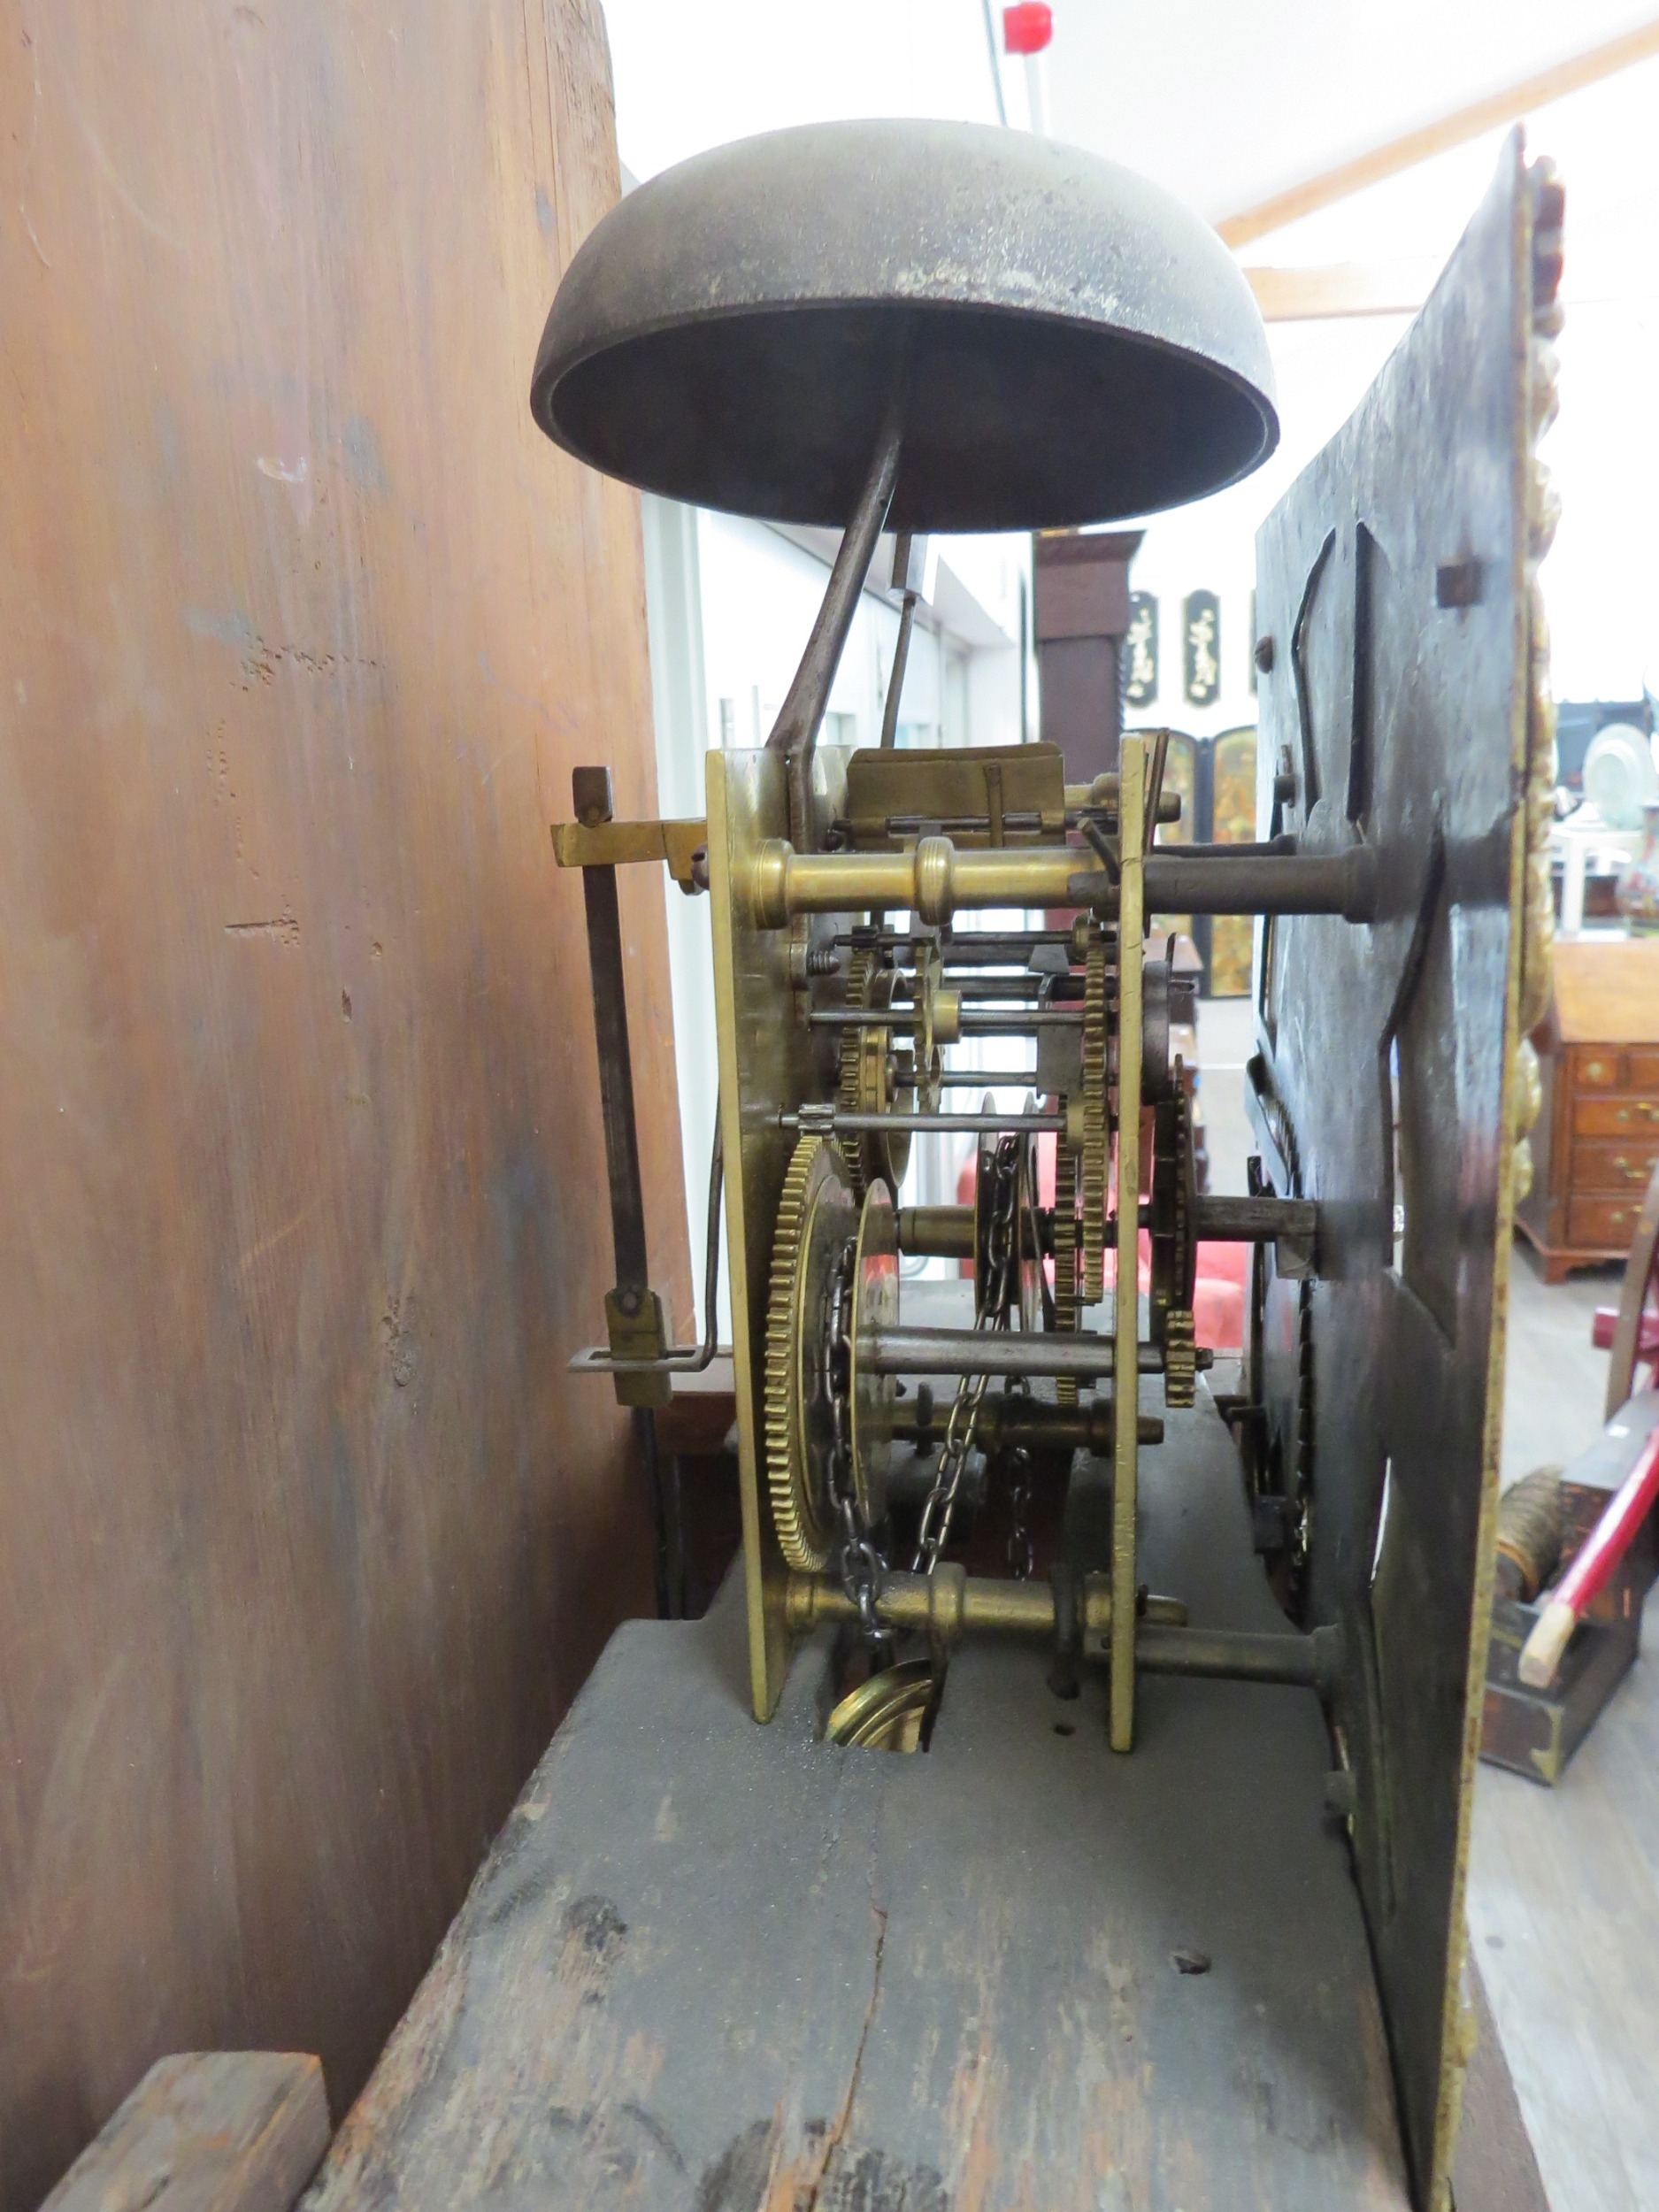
x: 867, y: 1084
x: 856, y: 1075
x: 1094, y: 1129
x: 927, y: 994
x: 817, y: 1215
x: 1181, y: 1359
x: 1065, y: 1313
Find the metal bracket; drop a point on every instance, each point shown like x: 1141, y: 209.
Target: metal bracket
x: 607, y: 844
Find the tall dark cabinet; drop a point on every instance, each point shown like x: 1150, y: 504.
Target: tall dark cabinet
x: 1080, y: 584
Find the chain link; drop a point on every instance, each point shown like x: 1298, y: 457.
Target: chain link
x: 998, y: 1293
x: 1021, y: 1556
x: 863, y: 1566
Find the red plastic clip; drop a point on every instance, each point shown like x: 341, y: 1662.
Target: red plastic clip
x: 1027, y: 26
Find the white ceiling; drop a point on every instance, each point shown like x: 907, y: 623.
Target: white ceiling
x: 1226, y: 102
x: 1223, y: 102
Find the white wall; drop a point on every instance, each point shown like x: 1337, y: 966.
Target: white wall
x: 688, y: 78
x: 1222, y: 105
x: 760, y: 591
x: 729, y: 605
x: 1322, y: 370
x: 673, y: 604
x: 1602, y: 580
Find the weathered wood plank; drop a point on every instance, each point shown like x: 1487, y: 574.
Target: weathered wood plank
x: 206, y: 2132
x: 716, y: 1964
x: 1494, y: 2169
x: 1563, y: 1914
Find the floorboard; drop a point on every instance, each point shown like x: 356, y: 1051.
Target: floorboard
x: 1563, y: 1885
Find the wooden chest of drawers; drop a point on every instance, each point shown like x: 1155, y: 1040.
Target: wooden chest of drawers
x: 1597, y: 1136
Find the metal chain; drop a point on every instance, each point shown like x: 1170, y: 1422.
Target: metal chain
x: 1021, y: 1555
x: 998, y: 1293
x: 863, y: 1566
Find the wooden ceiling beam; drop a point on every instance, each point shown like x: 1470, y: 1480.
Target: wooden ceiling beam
x: 1588, y: 67
x: 1338, y: 288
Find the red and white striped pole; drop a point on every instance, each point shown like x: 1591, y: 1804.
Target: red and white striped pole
x: 1593, y: 1569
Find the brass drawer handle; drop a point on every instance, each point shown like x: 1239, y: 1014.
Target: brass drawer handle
x: 1635, y: 1174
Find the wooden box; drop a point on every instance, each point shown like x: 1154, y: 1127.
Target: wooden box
x: 1535, y: 1732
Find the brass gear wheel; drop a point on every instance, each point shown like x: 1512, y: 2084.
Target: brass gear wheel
x: 1092, y: 1286
x: 1065, y: 1310
x: 1180, y: 1360
x: 867, y: 1084
x: 817, y: 1216
x: 926, y: 989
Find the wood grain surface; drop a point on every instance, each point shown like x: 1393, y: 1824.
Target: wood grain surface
x: 206, y: 2132
x: 1564, y: 1916
x: 306, y: 1539
x: 1494, y: 2169
x: 713, y: 1967
x: 1607, y: 991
